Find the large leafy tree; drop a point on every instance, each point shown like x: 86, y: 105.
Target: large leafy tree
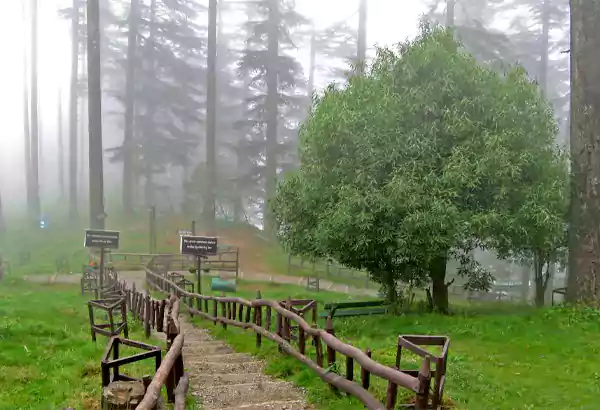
x: 425, y: 157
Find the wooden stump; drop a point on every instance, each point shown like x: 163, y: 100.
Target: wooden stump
x: 122, y: 395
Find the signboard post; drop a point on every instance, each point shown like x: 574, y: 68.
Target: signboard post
x: 200, y: 247
x: 96, y: 238
x: 152, y: 226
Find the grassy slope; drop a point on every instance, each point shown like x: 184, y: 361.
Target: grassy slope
x: 498, y: 360
x: 62, y: 239
x: 47, y: 358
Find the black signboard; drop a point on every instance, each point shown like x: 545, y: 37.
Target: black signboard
x: 198, y: 245
x: 101, y: 239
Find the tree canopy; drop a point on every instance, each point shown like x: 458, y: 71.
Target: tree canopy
x: 426, y: 156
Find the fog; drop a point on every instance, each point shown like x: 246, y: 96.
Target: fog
x: 156, y: 105
x: 388, y: 22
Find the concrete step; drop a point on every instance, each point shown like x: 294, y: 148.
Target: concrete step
x: 225, y: 358
x: 209, y: 348
x: 272, y: 405
x: 219, y: 397
x: 222, y: 368
x: 210, y: 380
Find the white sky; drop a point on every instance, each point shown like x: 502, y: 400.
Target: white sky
x: 389, y: 21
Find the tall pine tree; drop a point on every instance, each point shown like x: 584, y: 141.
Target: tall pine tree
x: 169, y: 89
x: 278, y: 96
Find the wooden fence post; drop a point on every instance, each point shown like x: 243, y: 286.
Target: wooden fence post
x: 240, y: 312
x: 215, y: 310
x: 258, y: 320
x: 365, y: 376
x: 330, y: 351
x: 319, y: 350
x: 147, y: 316
x: 279, y: 328
x: 349, y: 368
x: 422, y: 397
x: 161, y: 316
x: 392, y: 394
x: 124, y: 318
x: 224, y: 311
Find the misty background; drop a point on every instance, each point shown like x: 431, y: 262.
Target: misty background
x: 388, y: 22
x: 320, y: 40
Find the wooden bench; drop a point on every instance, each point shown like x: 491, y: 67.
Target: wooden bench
x: 347, y: 309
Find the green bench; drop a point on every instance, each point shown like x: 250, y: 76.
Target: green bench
x: 222, y: 285
x: 347, y: 309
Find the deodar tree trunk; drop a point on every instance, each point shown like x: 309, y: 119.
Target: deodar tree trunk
x: 211, y: 120
x: 128, y: 143
x: 73, y: 100
x: 583, y: 283
x: 272, y: 109
x: 35, y: 183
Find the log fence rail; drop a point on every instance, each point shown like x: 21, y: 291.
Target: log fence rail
x: 158, y: 315
x: 292, y: 334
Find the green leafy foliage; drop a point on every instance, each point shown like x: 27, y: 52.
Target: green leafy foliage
x: 425, y: 157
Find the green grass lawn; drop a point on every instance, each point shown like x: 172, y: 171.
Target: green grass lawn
x: 47, y: 358
x: 500, y: 357
x: 278, y: 261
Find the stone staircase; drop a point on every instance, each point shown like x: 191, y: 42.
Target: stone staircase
x: 222, y: 379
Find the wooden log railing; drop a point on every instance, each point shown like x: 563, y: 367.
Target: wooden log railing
x: 162, y: 316
x: 225, y: 260
x: 248, y: 314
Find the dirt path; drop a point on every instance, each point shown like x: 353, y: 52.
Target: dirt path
x: 297, y: 281
x: 138, y: 278
x: 222, y: 379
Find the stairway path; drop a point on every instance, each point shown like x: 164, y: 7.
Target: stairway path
x: 222, y: 379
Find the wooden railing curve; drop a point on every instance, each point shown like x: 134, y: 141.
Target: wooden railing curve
x: 232, y: 307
